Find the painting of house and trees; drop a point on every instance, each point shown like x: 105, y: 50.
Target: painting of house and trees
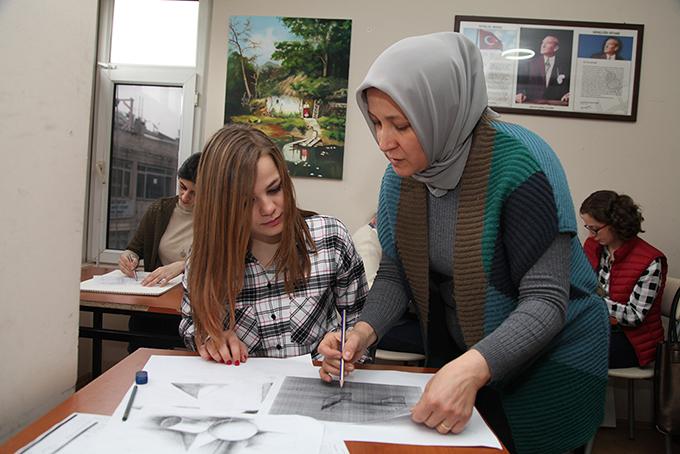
x: 287, y: 76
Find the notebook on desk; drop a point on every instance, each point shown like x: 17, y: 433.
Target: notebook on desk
x: 117, y: 282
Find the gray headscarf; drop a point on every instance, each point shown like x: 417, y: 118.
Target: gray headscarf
x: 438, y: 82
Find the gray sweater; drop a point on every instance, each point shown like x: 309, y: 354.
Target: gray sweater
x: 542, y: 302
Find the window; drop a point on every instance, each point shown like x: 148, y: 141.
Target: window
x: 144, y: 119
x: 154, y: 32
x: 120, y: 177
x: 144, y: 153
x: 155, y: 182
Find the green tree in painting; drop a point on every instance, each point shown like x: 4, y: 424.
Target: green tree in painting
x: 235, y: 86
x: 240, y: 43
x: 323, y: 50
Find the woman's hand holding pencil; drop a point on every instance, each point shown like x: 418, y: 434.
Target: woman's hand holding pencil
x: 357, y: 341
x: 127, y: 263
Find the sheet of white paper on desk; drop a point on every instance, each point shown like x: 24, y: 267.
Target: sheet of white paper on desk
x: 116, y: 282
x: 70, y: 435
x: 183, y: 368
x: 192, y: 382
x: 231, y: 395
x: 170, y: 430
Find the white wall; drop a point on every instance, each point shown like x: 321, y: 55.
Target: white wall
x: 47, y: 57
x: 641, y: 159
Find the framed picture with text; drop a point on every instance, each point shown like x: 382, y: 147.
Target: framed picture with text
x: 559, y: 68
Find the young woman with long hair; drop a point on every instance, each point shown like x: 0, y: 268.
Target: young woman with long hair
x: 264, y: 277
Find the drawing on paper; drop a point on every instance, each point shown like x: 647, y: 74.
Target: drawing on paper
x: 356, y: 402
x: 210, y: 434
x: 246, y: 396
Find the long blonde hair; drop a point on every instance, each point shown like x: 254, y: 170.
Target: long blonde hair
x: 222, y: 226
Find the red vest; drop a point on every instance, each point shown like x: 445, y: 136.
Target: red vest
x: 630, y: 261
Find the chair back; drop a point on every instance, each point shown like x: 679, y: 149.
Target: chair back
x: 669, y: 303
x: 670, y: 294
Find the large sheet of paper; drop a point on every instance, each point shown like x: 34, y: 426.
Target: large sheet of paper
x: 370, y: 413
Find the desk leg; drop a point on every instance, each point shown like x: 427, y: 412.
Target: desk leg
x: 97, y: 319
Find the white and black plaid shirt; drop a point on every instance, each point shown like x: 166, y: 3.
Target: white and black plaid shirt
x: 273, y: 323
x: 640, y: 301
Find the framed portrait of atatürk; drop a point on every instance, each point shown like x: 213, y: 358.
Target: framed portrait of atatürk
x: 560, y: 68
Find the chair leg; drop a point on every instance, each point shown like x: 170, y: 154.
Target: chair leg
x: 669, y: 444
x: 631, y: 409
x: 589, y: 446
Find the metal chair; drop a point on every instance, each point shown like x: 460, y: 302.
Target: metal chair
x: 672, y: 288
x: 645, y: 373
x: 400, y: 357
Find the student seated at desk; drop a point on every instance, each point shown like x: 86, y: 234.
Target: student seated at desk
x: 631, y: 275
x: 264, y: 277
x: 163, y: 240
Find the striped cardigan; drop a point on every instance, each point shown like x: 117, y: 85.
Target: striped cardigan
x: 514, y: 200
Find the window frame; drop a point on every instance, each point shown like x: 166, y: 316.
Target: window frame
x: 107, y: 77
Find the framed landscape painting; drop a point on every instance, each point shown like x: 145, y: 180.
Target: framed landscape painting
x: 287, y: 76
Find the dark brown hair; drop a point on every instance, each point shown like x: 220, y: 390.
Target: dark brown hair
x: 222, y: 226
x: 616, y: 210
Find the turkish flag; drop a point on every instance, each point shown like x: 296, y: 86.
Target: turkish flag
x: 488, y: 40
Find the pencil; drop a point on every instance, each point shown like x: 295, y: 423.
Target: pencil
x: 342, y: 348
x: 128, y: 407
x: 134, y: 271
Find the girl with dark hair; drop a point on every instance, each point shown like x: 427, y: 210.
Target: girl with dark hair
x: 164, y: 235
x: 162, y: 240
x: 264, y: 278
x: 631, y: 274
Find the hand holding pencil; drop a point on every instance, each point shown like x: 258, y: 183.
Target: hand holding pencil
x: 127, y: 263
x: 356, y: 342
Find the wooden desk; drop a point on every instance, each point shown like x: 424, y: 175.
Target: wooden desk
x: 114, y: 303
x: 103, y: 395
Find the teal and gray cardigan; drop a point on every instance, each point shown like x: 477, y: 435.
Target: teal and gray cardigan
x: 514, y: 200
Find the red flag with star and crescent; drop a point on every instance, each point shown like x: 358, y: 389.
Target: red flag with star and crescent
x: 488, y: 40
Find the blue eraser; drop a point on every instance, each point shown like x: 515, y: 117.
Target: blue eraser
x: 141, y: 377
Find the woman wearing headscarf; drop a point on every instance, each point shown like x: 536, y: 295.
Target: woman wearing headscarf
x: 477, y: 227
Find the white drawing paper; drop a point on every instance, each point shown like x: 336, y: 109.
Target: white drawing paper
x: 116, y: 282
x: 155, y: 429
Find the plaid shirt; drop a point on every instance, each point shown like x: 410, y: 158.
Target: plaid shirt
x: 275, y: 324
x: 640, y: 301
